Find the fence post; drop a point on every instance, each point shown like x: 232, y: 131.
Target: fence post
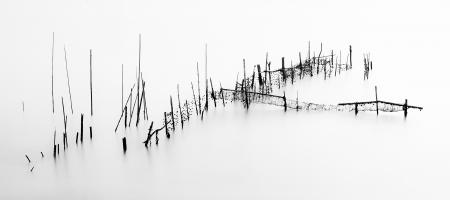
x: 405, y: 107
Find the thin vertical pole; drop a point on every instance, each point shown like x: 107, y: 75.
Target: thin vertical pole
x: 199, y: 95
x: 90, y: 70
x: 122, y: 87
x: 179, y: 106
x: 53, y: 50
x: 376, y: 98
x: 206, y: 76
x: 68, y: 82
x: 195, y: 101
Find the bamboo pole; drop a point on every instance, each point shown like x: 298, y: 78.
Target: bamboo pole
x: 187, y: 110
x: 53, y: 50
x: 283, y: 72
x: 122, y: 88
x: 195, y: 101
x: 166, y: 126
x: 376, y: 98
x: 81, y: 131
x: 300, y: 64
x: 90, y: 72
x: 138, y: 81
x: 213, y: 94
x: 147, y: 141
x: 68, y: 81
x: 351, y: 65
x: 179, y: 106
x: 171, y: 112
x: 206, y: 76
x: 318, y: 59
x: 221, y: 92
x: 29, y: 161
x: 199, y: 94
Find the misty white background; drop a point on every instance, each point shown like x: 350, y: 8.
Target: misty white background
x: 263, y: 153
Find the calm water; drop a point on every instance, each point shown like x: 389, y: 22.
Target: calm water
x: 262, y: 153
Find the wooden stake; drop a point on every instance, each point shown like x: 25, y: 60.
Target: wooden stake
x: 405, y: 108
x: 122, y: 89
x: 81, y: 129
x: 124, y: 144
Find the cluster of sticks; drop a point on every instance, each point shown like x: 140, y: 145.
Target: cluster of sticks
x: 79, y: 135
x: 65, y: 117
x: 140, y: 102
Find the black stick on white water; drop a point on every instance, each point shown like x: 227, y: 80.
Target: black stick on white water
x: 53, y: 49
x: 68, y: 81
x: 166, y: 126
x: 122, y: 88
x: 124, y: 110
x: 213, y: 95
x: 124, y: 144
x: 90, y: 78
x: 221, y: 93
x: 199, y: 94
x: 29, y: 161
x: 187, y: 109
x: 147, y: 141
x: 179, y: 106
x: 81, y: 129
x: 206, y: 77
x: 195, y: 101
x: 171, y: 112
